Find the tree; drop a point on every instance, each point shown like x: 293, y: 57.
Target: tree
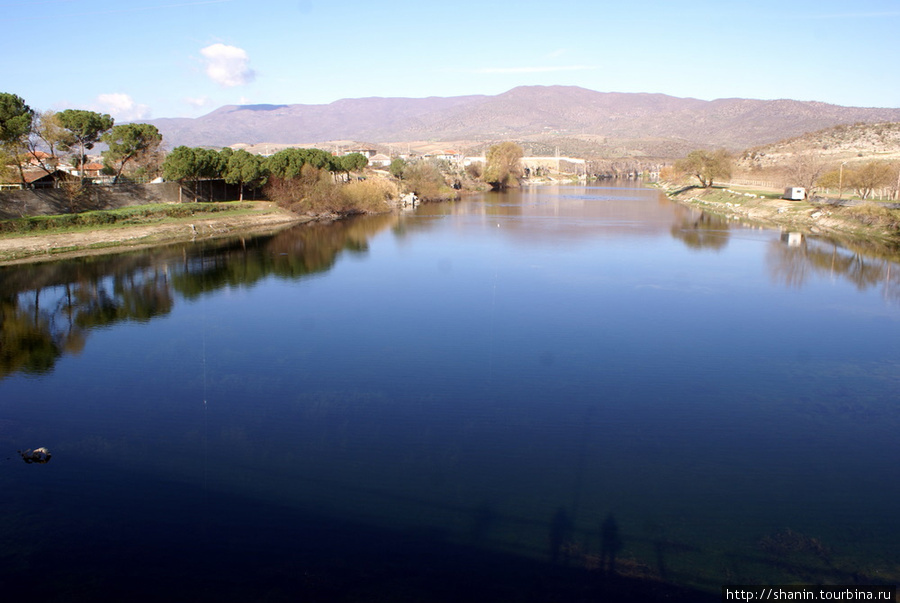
x: 865, y: 179
x: 830, y: 179
x: 503, y: 165
x: 86, y: 128
x: 192, y: 164
x: 398, y: 164
x: 129, y: 141
x: 288, y: 163
x: 805, y: 170
x: 245, y: 169
x: 320, y: 159
x: 47, y: 133
x: 706, y: 166
x: 352, y: 162
x: 15, y: 125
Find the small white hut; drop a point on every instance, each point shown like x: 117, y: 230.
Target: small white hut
x: 795, y: 193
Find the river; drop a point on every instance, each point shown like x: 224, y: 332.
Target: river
x: 568, y: 382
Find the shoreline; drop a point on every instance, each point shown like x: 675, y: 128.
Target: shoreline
x: 815, y: 217
x: 870, y: 226
x: 33, y: 248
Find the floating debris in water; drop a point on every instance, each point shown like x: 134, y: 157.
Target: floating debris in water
x: 38, y: 455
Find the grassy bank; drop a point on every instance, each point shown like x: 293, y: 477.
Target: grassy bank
x: 126, y: 216
x: 43, y: 238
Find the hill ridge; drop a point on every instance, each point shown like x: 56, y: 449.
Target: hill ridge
x: 523, y: 113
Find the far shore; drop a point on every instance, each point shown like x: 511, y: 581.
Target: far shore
x: 866, y: 224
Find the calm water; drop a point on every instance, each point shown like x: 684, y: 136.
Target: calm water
x: 489, y: 389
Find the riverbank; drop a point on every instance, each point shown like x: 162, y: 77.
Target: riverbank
x: 873, y: 223
x: 252, y: 218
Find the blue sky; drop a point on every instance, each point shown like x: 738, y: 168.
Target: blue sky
x: 146, y: 59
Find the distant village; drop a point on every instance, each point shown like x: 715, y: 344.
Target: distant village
x: 37, y: 176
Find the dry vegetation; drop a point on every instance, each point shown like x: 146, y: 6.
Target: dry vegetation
x: 841, y: 143
x: 317, y: 192
x: 859, y: 160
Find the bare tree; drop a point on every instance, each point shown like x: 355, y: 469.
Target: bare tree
x: 48, y: 138
x: 805, y: 170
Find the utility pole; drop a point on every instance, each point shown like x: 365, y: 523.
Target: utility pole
x: 841, y: 181
x: 897, y: 190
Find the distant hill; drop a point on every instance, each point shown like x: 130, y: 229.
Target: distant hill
x: 658, y: 122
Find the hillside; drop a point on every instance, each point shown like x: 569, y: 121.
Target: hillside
x: 854, y: 142
x: 652, y: 124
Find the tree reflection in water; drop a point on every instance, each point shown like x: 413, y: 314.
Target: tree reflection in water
x: 794, y: 258
x: 47, y: 310
x: 705, y: 231
x: 794, y: 264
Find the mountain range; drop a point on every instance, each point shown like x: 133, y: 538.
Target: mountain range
x: 525, y: 113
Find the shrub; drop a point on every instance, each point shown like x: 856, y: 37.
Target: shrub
x: 304, y: 193
x: 314, y: 191
x: 368, y: 196
x: 427, y: 182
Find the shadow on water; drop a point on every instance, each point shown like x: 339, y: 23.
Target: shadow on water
x: 610, y: 544
x: 560, y: 534
x: 221, y: 548
x: 482, y: 519
x: 607, y: 555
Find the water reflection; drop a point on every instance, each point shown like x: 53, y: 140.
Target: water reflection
x: 39, y: 325
x: 48, y: 309
x: 701, y: 230
x: 793, y: 260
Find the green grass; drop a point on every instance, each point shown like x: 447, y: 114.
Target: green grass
x: 139, y: 214
x: 759, y: 193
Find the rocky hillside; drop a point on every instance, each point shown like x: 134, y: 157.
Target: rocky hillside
x: 842, y: 143
x: 533, y: 113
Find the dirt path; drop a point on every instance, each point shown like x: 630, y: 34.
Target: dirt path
x: 47, y: 247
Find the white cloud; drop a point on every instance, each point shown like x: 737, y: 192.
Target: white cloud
x: 122, y: 107
x: 228, y: 66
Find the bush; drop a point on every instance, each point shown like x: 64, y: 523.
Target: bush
x: 427, y: 182
x: 316, y: 192
x: 307, y: 192
x: 368, y: 196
